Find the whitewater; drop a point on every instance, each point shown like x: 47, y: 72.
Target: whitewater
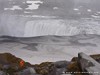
x: 31, y: 40
x: 27, y: 27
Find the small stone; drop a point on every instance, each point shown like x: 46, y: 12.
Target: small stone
x: 2, y: 73
x: 28, y: 71
x: 61, y: 64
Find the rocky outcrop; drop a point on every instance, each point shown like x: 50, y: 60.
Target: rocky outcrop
x: 84, y: 65
x: 11, y: 65
x: 9, y: 61
x: 81, y: 65
x: 88, y: 64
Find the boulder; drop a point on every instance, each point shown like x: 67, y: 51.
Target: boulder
x: 2, y: 73
x: 46, y: 68
x: 28, y: 71
x: 10, y: 60
x: 74, y: 67
x: 88, y: 64
x: 61, y: 64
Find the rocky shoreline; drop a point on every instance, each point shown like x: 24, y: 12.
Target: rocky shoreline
x: 81, y: 65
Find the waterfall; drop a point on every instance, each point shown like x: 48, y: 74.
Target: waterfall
x: 60, y: 28
x: 25, y: 27
x: 48, y: 27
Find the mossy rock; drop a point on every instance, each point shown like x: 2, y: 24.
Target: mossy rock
x: 74, y: 67
x: 27, y: 64
x: 74, y: 59
x: 10, y: 60
x: 45, y: 68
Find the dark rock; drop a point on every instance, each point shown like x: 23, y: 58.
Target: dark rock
x: 46, y: 68
x: 82, y: 63
x: 66, y: 74
x: 28, y: 71
x: 62, y: 64
x: 74, y: 59
x: 60, y: 71
x: 10, y: 64
x: 74, y: 67
x: 2, y: 73
x: 95, y: 57
x: 27, y: 64
x: 9, y: 59
x: 88, y: 64
x: 98, y: 60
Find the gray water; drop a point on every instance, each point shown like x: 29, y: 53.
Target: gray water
x: 49, y: 17
x: 13, y: 25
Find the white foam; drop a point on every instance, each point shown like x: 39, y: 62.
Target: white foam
x: 33, y: 5
x: 55, y: 8
x: 89, y: 10
x: 20, y: 26
x: 14, y: 8
x: 76, y: 9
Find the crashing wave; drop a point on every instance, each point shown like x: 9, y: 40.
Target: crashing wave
x: 25, y: 27
x: 60, y: 28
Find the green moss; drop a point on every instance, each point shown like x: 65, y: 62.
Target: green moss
x: 44, y: 68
